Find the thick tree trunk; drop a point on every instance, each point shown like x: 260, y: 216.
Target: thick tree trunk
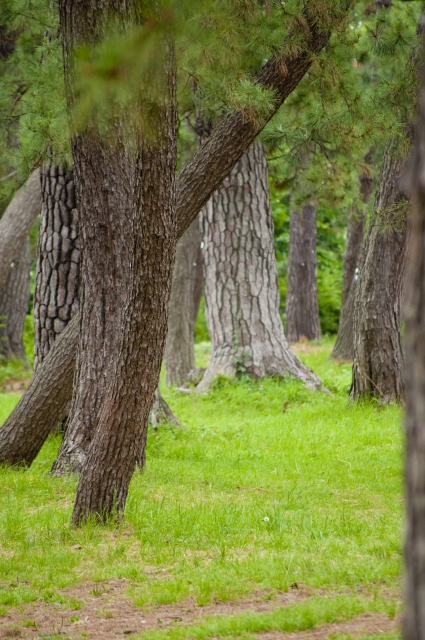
x: 414, y: 314
x: 56, y: 296
x: 302, y: 305
x: 378, y: 357
x: 344, y: 344
x: 241, y: 285
x: 16, y: 223
x: 179, y: 350
x: 14, y: 301
x: 199, y: 178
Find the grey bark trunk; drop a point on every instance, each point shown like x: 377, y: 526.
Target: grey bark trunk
x: 302, y: 304
x: 16, y: 223
x: 56, y: 296
x: 241, y: 285
x: 179, y: 350
x: 378, y: 368
x: 14, y: 300
x: 344, y: 344
x: 414, y: 314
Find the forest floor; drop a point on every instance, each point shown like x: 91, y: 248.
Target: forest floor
x: 275, y: 512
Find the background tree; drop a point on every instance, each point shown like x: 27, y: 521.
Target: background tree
x: 242, y: 296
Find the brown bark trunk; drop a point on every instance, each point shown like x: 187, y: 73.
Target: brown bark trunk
x: 344, y: 344
x: 241, y: 285
x: 16, y: 223
x: 199, y: 178
x: 56, y: 296
x: 302, y: 304
x: 179, y: 350
x: 14, y: 300
x: 126, y: 188
x: 414, y: 314
x: 42, y: 403
x: 378, y: 357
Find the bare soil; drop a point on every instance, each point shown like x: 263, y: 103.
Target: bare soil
x: 106, y: 612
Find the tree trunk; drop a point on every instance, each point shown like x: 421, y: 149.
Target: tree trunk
x: 42, y: 403
x: 14, y: 300
x: 414, y: 314
x: 179, y: 350
x: 199, y: 178
x: 199, y: 280
x: 302, y: 305
x: 344, y: 344
x: 378, y: 357
x: 16, y: 223
x: 56, y: 296
x: 241, y: 285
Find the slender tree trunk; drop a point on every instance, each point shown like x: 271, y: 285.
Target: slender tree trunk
x: 302, y: 305
x: 378, y: 357
x: 179, y: 350
x: 344, y: 344
x: 56, y: 296
x: 199, y: 280
x: 241, y: 285
x: 199, y: 178
x: 414, y: 314
x: 14, y: 300
x: 16, y: 223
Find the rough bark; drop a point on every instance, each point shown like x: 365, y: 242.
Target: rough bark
x: 378, y: 357
x: 414, y: 315
x: 179, y: 350
x: 241, y: 285
x: 207, y: 168
x: 302, y: 304
x: 16, y: 223
x: 42, y: 403
x: 344, y: 344
x: 14, y: 300
x: 56, y: 296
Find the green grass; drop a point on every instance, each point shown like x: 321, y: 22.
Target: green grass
x: 267, y: 484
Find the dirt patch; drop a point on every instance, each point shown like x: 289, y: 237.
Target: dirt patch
x: 365, y: 624
x: 101, y: 611
x: 12, y: 385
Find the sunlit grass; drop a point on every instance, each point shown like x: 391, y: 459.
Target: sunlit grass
x: 267, y: 484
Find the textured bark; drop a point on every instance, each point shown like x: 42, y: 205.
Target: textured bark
x: 241, y: 285
x: 414, y: 315
x: 199, y: 280
x: 179, y: 350
x: 344, y: 344
x: 14, y: 300
x: 42, y: 403
x: 302, y: 304
x: 56, y: 296
x: 207, y: 168
x: 378, y: 357
x: 16, y: 223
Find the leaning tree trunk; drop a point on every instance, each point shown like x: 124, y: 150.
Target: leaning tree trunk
x: 378, y: 357
x: 201, y: 175
x: 179, y: 350
x: 241, y: 284
x: 302, y: 305
x: 14, y: 300
x: 344, y: 344
x: 56, y: 296
x: 16, y: 223
x: 414, y: 314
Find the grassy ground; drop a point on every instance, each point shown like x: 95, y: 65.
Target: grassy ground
x: 268, y: 487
